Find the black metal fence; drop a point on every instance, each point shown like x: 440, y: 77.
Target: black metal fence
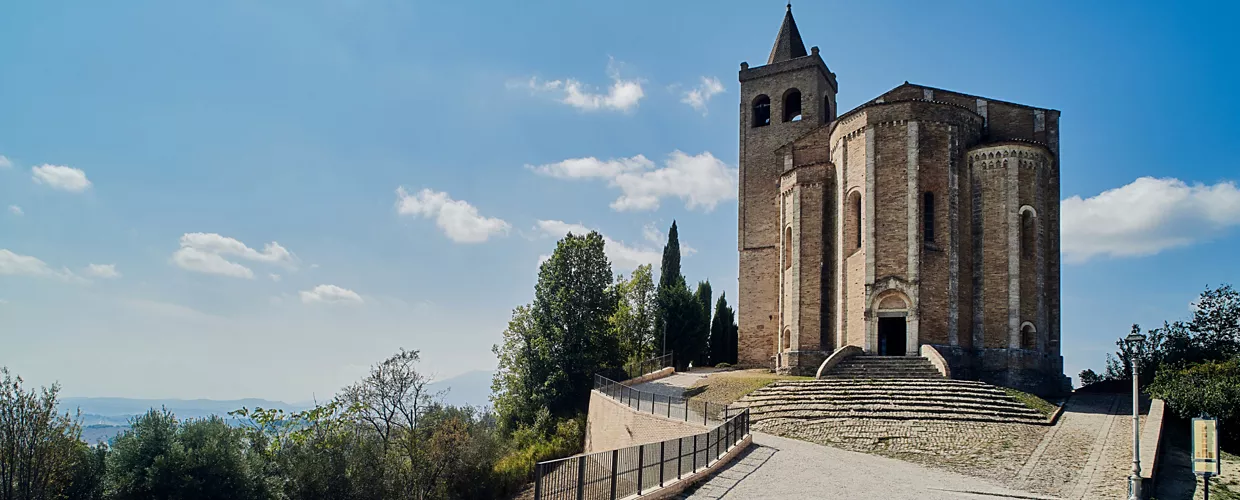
x: 638, y: 368
x: 687, y: 409
x: 627, y: 471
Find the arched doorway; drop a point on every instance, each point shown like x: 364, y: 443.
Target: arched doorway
x: 892, y: 338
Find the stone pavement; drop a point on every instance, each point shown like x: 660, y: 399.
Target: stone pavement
x: 1086, y: 455
x: 787, y: 468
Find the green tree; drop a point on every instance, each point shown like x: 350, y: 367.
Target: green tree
x: 160, y: 457
x: 552, y: 350
x: 573, y: 301
x: 1210, y: 387
x: 722, y: 333
x: 635, y: 318
x: 683, y: 315
x: 1089, y: 377
x: 41, y: 454
x: 703, y: 297
x: 669, y: 271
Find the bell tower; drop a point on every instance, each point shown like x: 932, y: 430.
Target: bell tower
x: 792, y: 94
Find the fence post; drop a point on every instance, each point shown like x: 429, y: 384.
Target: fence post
x: 615, y: 454
x: 669, y: 406
x: 662, y: 460
x: 581, y: 478
x: 641, y: 464
x: 538, y: 469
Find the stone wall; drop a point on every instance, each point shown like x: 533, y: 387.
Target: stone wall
x: 611, y: 425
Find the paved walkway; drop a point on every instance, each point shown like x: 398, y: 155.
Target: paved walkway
x: 786, y: 468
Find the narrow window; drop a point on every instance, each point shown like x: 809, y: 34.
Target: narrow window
x: 854, y: 202
x: 761, y: 111
x: 927, y: 217
x: 1028, y: 232
x: 787, y: 248
x: 1028, y: 337
x: 792, y: 105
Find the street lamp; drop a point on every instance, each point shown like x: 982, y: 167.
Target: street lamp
x: 1135, y: 341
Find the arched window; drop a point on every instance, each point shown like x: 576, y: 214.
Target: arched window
x: 787, y: 339
x: 927, y: 217
x: 792, y: 105
x: 787, y: 248
x: 853, y: 229
x: 761, y: 111
x: 826, y: 109
x: 1028, y: 231
x: 1028, y: 336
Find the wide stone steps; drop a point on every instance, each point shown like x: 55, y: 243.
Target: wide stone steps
x: 890, y: 398
x: 883, y: 367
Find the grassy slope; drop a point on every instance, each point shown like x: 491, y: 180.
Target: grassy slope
x: 1041, y: 405
x: 727, y: 387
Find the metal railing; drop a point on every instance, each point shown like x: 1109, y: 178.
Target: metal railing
x: 627, y: 471
x: 636, y: 369
x: 686, y: 409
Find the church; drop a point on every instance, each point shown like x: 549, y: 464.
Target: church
x: 921, y: 219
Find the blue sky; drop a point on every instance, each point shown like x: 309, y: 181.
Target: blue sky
x: 191, y: 152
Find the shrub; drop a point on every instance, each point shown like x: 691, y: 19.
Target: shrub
x: 1210, y: 387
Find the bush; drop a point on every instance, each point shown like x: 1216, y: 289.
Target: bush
x: 723, y: 365
x: 516, y: 468
x: 1210, y: 387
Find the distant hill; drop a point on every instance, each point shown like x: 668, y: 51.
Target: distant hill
x: 467, y: 389
x: 183, y: 408
x: 104, y: 418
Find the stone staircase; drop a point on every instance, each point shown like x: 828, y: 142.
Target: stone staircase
x: 884, y: 367
x: 887, y: 387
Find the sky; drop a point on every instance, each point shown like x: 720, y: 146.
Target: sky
x: 260, y: 199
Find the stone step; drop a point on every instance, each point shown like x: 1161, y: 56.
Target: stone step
x: 974, y: 406
x: 812, y: 415
x: 908, y: 398
x: 947, y: 409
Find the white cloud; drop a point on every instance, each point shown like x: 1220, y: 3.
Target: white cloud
x: 205, y: 252
x: 60, y: 177
x: 1146, y: 217
x: 459, y: 220
x: 103, y: 271
x: 24, y: 265
x: 702, y: 181
x: 655, y: 236
x: 330, y: 294
x: 698, y: 96
x: 5, y: 162
x: 622, y: 256
x: 15, y: 210
x: 274, y: 277
x: 623, y: 95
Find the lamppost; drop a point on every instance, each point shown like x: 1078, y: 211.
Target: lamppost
x: 1135, y: 342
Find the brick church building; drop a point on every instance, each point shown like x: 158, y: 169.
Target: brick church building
x: 921, y: 219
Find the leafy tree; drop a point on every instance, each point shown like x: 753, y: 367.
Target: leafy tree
x: 682, y: 312
x: 391, y: 398
x: 553, y: 348
x: 703, y: 297
x: 1209, y: 387
x: 1088, y: 377
x: 636, y: 314
x: 160, y: 457
x: 573, y: 301
x: 722, y: 333
x: 40, y: 450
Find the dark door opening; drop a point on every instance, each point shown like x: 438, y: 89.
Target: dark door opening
x: 891, y: 336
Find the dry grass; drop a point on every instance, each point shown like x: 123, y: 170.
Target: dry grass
x: 726, y: 387
x: 1041, y: 405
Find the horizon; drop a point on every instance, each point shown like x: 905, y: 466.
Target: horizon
x: 261, y: 201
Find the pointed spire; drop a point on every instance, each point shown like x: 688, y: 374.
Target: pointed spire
x: 788, y: 44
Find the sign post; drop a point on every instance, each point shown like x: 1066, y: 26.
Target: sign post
x: 1205, y: 450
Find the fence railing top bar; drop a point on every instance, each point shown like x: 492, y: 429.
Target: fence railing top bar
x: 730, y: 420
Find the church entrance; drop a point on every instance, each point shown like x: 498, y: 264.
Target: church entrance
x: 891, y: 336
